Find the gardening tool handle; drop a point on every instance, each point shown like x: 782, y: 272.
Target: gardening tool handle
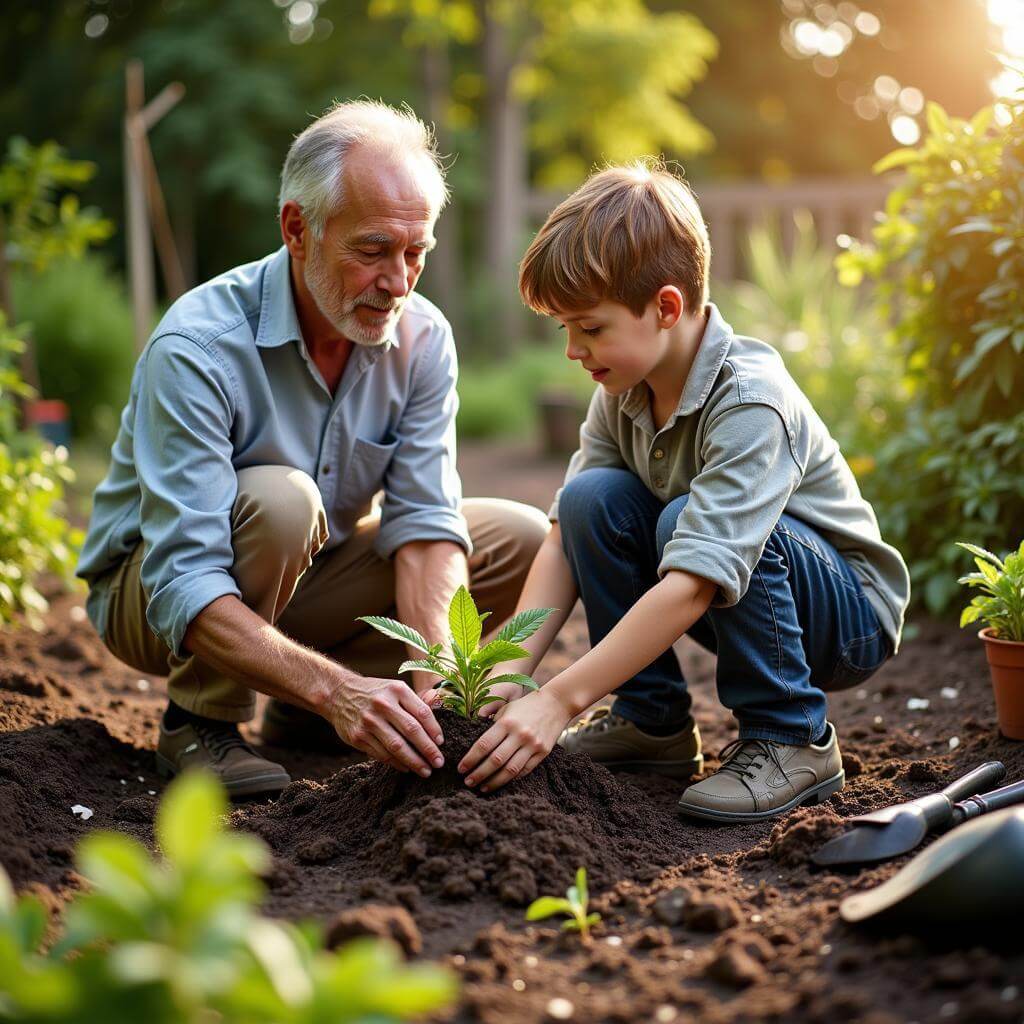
x: 982, y: 803
x: 985, y: 775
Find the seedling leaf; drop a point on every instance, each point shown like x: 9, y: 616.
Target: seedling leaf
x: 547, y: 906
x: 464, y: 621
x: 523, y: 625
x: 465, y: 686
x: 396, y: 630
x: 514, y: 677
x: 499, y: 650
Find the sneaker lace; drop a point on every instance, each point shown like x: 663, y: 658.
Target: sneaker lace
x: 742, y: 757
x: 221, y: 738
x: 599, y: 720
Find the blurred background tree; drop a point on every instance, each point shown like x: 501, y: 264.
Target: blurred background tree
x: 526, y: 97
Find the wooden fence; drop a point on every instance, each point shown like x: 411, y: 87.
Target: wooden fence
x: 837, y: 206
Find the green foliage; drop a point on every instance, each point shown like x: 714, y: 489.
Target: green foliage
x: 34, y: 536
x: 574, y: 906
x: 83, y: 336
x: 825, y: 333
x: 1001, y: 603
x: 180, y: 941
x: 498, y: 398
x: 948, y: 262
x: 44, y: 220
x: 648, y: 61
x: 465, y: 680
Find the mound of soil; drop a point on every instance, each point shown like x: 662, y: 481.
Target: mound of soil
x: 699, y: 922
x: 455, y: 843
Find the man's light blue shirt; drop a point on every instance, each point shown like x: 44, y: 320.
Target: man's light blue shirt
x: 226, y: 382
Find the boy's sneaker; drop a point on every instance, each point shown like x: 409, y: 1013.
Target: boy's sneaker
x: 219, y: 748
x: 615, y: 742
x: 285, y: 725
x: 761, y: 778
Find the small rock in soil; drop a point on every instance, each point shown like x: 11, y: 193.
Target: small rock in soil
x: 670, y: 906
x: 712, y: 913
x: 376, y: 921
x: 735, y: 968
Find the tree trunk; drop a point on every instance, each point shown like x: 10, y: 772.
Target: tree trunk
x: 507, y: 174
x: 442, y: 276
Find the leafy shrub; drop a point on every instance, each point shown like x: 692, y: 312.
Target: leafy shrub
x: 34, y: 536
x: 43, y: 222
x: 466, y: 682
x: 1001, y: 603
x: 498, y: 398
x: 84, y: 340
x: 180, y: 941
x: 948, y: 260
x: 827, y: 335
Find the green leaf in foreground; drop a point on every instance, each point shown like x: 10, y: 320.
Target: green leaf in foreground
x: 181, y: 939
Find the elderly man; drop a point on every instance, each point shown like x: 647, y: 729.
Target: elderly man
x: 233, y: 541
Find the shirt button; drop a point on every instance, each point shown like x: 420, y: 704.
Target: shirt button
x: 659, y: 453
x: 659, y: 481
x: 326, y: 470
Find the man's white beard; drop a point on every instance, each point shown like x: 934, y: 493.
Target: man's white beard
x: 340, y: 311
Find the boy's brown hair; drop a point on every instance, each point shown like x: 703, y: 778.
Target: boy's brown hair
x: 623, y: 234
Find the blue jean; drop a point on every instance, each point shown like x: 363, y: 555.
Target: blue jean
x: 804, y: 625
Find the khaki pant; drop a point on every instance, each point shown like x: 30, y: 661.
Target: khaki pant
x: 277, y: 527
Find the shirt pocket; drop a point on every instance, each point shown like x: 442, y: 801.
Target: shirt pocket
x: 366, y: 470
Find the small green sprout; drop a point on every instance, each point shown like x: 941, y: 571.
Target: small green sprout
x: 465, y: 680
x: 574, y: 906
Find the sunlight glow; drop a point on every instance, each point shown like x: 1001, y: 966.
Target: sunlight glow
x: 905, y: 130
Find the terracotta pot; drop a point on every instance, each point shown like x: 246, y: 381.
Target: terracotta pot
x: 561, y: 413
x: 1006, y: 663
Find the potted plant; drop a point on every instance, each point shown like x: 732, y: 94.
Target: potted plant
x: 1001, y: 606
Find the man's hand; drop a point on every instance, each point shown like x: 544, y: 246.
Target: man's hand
x: 385, y: 719
x: 517, y: 742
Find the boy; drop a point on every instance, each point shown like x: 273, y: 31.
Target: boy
x: 707, y: 497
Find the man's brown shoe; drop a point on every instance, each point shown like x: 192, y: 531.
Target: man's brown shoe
x: 218, y: 747
x: 613, y: 741
x: 285, y: 725
x: 761, y: 778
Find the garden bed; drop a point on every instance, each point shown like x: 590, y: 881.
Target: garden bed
x: 700, y: 922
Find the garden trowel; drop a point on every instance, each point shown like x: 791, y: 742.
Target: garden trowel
x: 894, y: 830
x: 958, y: 888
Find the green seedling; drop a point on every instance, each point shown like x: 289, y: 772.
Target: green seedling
x: 466, y: 681
x: 1001, y: 602
x: 574, y: 906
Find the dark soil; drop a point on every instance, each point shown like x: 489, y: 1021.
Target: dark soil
x: 699, y: 922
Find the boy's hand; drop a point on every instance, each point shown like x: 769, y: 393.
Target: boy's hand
x: 517, y: 742
x: 510, y: 691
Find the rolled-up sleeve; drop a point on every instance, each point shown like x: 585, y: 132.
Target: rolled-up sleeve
x: 422, y: 490
x: 188, y: 483
x: 747, y: 477
x: 598, y: 447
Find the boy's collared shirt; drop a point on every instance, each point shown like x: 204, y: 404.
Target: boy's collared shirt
x: 746, y: 445
x: 226, y: 382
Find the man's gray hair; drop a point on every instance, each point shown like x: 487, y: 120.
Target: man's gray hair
x: 312, y: 172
